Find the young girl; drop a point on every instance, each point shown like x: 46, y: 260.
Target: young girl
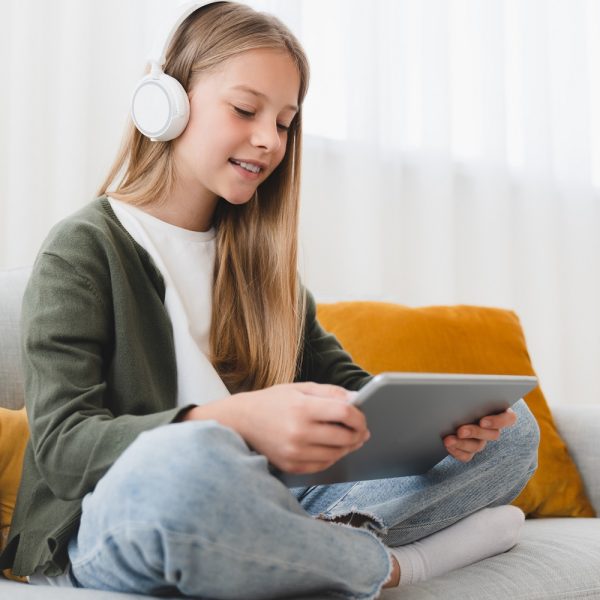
x: 171, y: 356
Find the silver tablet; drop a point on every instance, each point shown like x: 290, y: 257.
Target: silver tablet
x: 408, y: 414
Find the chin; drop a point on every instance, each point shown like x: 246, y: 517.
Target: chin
x: 238, y: 198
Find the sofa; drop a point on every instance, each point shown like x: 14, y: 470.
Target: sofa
x: 555, y: 557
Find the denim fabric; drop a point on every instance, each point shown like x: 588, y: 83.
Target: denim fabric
x: 189, y: 510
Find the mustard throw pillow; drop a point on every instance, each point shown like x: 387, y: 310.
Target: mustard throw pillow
x: 14, y: 434
x: 383, y: 336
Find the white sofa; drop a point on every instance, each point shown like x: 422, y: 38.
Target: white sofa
x: 556, y: 558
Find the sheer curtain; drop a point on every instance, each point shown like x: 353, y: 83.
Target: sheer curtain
x: 451, y: 152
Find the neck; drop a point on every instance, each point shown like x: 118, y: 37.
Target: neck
x: 182, y: 210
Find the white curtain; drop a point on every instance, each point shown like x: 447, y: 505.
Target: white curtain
x: 452, y: 150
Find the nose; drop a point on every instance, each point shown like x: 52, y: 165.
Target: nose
x: 266, y: 135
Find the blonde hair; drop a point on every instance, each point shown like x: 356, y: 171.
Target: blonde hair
x: 259, y: 304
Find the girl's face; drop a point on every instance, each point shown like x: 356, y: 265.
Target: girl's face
x: 238, y: 113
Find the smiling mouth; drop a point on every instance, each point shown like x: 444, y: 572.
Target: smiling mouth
x: 247, y: 166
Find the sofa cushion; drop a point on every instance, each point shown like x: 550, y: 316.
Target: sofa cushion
x: 554, y: 559
x: 382, y: 336
x: 14, y: 433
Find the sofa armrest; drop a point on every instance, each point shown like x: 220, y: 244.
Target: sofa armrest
x: 579, y: 427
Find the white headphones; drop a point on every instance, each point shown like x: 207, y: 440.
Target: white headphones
x: 160, y: 107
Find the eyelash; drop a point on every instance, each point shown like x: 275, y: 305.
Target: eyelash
x: 247, y: 115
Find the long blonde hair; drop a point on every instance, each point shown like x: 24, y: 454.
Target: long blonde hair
x: 258, y: 317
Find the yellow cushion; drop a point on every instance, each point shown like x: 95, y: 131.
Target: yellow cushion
x: 14, y: 434
x: 382, y: 336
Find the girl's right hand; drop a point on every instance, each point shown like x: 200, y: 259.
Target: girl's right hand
x: 300, y: 427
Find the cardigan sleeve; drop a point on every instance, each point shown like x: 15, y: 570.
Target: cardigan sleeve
x: 67, y: 332
x: 324, y: 359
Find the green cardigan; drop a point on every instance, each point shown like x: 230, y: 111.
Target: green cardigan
x: 99, y: 369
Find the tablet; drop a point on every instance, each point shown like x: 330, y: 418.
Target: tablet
x: 408, y: 414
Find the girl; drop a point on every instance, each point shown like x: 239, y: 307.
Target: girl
x: 171, y: 355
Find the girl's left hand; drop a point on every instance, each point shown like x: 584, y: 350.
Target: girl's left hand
x: 470, y: 439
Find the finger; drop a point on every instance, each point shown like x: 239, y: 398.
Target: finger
x: 322, y: 390
x: 315, y: 458
x: 326, y: 434
x: 338, y: 412
x: 505, y: 419
x: 319, y: 458
x: 477, y: 433
x: 472, y: 446
x: 461, y: 455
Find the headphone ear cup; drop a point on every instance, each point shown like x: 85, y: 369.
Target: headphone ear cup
x: 160, y: 107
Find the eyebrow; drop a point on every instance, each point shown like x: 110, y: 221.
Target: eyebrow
x: 245, y: 88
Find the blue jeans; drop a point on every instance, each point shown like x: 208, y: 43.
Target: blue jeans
x: 189, y: 510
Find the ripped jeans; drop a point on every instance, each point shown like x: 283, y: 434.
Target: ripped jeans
x: 189, y: 510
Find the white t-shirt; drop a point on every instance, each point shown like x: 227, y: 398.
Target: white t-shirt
x: 186, y: 260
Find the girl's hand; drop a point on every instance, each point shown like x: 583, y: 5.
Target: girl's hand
x: 470, y: 439
x: 300, y: 427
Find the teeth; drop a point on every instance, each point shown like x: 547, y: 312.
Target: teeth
x: 248, y: 166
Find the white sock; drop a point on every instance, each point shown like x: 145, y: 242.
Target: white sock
x: 483, y: 534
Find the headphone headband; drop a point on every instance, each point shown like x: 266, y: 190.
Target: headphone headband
x: 166, y: 32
